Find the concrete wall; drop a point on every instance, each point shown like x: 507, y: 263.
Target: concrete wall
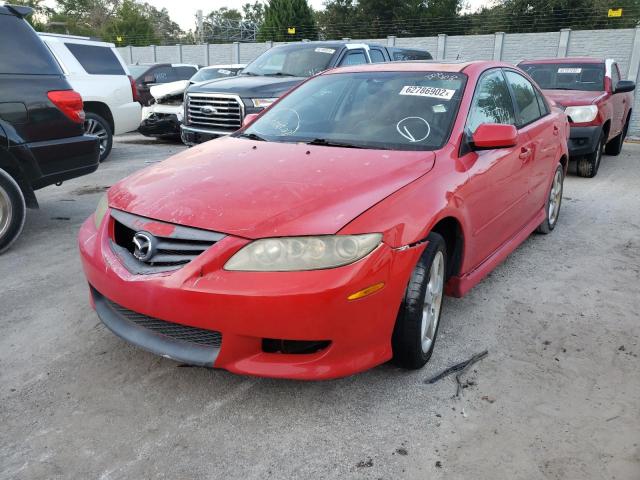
x: 623, y: 45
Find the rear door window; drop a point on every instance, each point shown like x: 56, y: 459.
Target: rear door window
x: 96, y: 60
x: 528, y: 108
x: 376, y: 55
x: 184, y: 73
x: 163, y: 75
x: 22, y: 51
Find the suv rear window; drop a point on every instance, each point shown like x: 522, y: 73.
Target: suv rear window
x: 96, y: 60
x: 22, y: 51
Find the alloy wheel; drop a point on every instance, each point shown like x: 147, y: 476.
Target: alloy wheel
x: 555, y: 198
x: 432, y: 302
x: 6, y: 212
x: 93, y: 127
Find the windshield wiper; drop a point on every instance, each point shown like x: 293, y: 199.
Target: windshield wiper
x: 252, y: 136
x: 329, y: 143
x: 250, y: 74
x: 279, y: 74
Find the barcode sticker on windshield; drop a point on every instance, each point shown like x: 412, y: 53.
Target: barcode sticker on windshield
x: 330, y: 51
x: 569, y: 70
x: 433, y: 92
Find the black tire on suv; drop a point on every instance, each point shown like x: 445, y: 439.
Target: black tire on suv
x: 13, y: 211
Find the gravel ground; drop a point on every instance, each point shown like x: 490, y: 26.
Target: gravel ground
x: 558, y: 396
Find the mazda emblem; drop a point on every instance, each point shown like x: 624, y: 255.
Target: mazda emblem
x: 145, y: 246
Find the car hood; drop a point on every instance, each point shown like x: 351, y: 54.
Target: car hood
x: 568, y: 98
x: 248, y: 86
x: 260, y: 189
x: 164, y: 90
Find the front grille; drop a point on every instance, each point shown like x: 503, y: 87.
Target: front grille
x: 167, y: 253
x: 184, y: 333
x: 218, y: 112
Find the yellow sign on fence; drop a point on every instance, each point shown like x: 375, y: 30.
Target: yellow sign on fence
x: 291, y: 30
x: 615, y: 12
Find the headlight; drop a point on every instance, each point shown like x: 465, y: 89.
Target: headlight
x: 101, y: 210
x: 303, y: 253
x: 583, y: 114
x: 262, y: 102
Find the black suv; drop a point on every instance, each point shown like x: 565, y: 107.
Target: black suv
x: 41, y: 123
x: 218, y: 107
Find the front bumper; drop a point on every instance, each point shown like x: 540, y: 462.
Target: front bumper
x: 160, y: 125
x: 195, y: 136
x: 583, y: 140
x: 249, y: 307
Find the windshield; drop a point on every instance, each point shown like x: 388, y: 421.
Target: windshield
x: 378, y: 110
x: 212, y: 73
x: 588, y: 77
x: 292, y: 60
x: 137, y: 70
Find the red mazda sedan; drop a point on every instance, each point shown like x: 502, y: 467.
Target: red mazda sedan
x: 319, y: 240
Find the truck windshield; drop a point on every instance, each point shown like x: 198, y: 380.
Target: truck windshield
x: 294, y: 60
x: 567, y: 76
x: 206, y: 74
x: 376, y: 110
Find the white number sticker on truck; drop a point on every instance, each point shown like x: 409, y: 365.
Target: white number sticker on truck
x: 569, y: 70
x: 330, y: 51
x: 433, y: 92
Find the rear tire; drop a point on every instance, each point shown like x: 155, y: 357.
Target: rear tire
x: 416, y: 328
x: 588, y: 165
x: 13, y: 211
x: 554, y: 201
x: 94, y: 124
x: 614, y: 147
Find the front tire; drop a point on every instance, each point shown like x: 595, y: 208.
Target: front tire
x: 94, y: 124
x: 13, y: 211
x: 614, y: 147
x: 588, y: 165
x: 416, y: 328
x: 554, y: 201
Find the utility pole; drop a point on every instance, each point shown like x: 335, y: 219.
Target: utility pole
x: 200, y: 23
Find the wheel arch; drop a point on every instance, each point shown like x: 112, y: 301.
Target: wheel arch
x: 101, y: 109
x: 606, y: 128
x: 450, y: 228
x: 15, y: 172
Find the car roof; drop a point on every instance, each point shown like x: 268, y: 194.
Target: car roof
x: 58, y: 37
x: 330, y: 43
x: 415, y: 66
x: 230, y: 65
x: 565, y: 60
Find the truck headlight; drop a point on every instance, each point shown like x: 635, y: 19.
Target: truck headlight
x: 303, y: 253
x: 262, y: 102
x: 582, y: 114
x: 101, y: 210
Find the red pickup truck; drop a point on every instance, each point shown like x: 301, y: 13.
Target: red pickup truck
x: 596, y: 100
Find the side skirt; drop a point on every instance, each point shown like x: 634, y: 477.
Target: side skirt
x: 459, y: 286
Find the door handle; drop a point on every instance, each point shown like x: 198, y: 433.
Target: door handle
x: 525, y: 153
x: 556, y: 130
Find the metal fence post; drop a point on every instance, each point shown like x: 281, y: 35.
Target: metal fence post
x: 442, y: 44
x: 346, y: 39
x: 498, y: 45
x: 563, y: 43
x: 130, y: 54
x: 154, y: 54
x: 391, y: 41
x: 179, y: 52
x: 206, y: 54
x: 634, y: 62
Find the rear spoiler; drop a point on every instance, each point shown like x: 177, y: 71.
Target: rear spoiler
x: 20, y: 10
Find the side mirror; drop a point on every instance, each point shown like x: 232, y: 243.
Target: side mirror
x: 249, y: 119
x: 149, y: 79
x: 494, y: 135
x: 625, y: 86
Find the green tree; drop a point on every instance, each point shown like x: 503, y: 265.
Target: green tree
x: 253, y: 12
x: 130, y: 25
x: 41, y: 13
x: 164, y: 28
x: 282, y: 15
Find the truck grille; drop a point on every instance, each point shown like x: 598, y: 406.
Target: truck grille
x: 164, y: 253
x: 217, y: 112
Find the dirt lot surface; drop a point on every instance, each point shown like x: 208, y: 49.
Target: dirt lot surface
x: 558, y: 396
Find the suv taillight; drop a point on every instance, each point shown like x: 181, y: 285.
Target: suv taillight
x: 134, y: 89
x: 68, y: 102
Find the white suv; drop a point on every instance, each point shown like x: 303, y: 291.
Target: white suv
x: 96, y: 71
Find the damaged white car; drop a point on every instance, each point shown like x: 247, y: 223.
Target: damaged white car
x: 162, y: 119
